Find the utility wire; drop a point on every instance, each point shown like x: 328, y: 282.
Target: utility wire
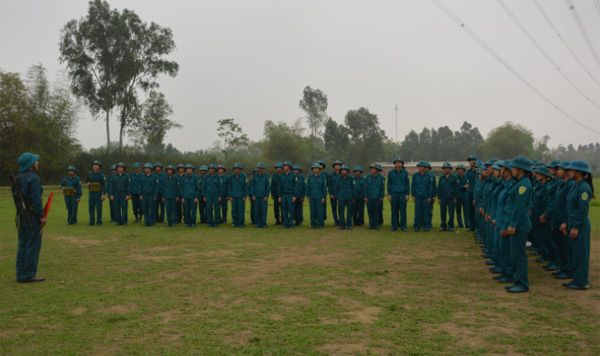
x: 450, y: 14
x: 564, y: 42
x: 537, y: 45
x: 582, y: 29
x: 597, y: 2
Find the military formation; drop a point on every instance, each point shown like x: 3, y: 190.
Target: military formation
x: 511, y: 206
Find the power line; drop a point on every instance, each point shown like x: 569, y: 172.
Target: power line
x: 537, y: 45
x: 582, y: 29
x: 452, y: 16
x: 564, y: 42
x: 597, y: 2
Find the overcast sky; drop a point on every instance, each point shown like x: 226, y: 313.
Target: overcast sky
x: 250, y: 60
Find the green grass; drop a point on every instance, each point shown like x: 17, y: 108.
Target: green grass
x: 124, y: 290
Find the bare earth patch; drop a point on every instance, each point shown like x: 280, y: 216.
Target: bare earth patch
x: 120, y: 309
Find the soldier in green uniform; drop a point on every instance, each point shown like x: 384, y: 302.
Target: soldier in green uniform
x: 358, y: 198
x: 577, y: 228
x: 344, y: 192
x: 71, y: 188
x: 159, y: 206
x: 447, y: 193
x: 189, y: 195
x: 259, y: 193
x: 171, y: 195
x: 31, y: 221
x: 288, y: 189
x: 546, y: 216
x: 238, y: 190
x: 559, y: 217
x: 421, y: 193
x: 120, y: 193
x: 374, y: 192
x: 540, y: 226
x: 429, y: 207
x: 111, y: 203
x: 276, y: 192
x: 135, y: 188
x: 223, y: 193
x: 180, y: 176
x: 333, y: 177
x: 462, y: 200
x: 202, y: 171
x: 380, y: 172
x: 96, y: 186
x: 300, y: 190
x: 149, y: 194
x: 251, y: 201
x: 316, y: 191
x: 398, y: 189
x: 503, y: 261
x: 211, y: 196
x: 326, y: 176
x: 519, y: 223
x: 472, y: 179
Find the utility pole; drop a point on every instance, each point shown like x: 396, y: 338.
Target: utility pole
x: 396, y: 115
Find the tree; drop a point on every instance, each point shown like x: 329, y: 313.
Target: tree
x: 508, y: 141
x: 314, y: 104
x: 232, y: 135
x: 336, y: 139
x: 467, y: 141
x: 110, y: 55
x: 282, y: 142
x: 366, y: 137
x: 152, y: 122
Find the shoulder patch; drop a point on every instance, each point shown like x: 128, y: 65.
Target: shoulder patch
x: 584, y: 196
x: 522, y: 190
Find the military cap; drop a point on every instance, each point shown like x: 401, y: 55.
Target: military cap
x: 580, y: 166
x: 137, y: 165
x: 398, y: 159
x: 238, y: 165
x: 379, y: 167
x: 113, y: 167
x: 460, y: 166
x: 97, y: 163
x: 521, y: 163
x: 189, y: 165
x: 322, y: 163
x: 427, y: 165
x: 472, y: 158
x: 345, y: 168
x: 121, y: 164
x: 357, y: 169
x: 373, y: 165
x: 504, y: 164
x: 220, y: 166
x: 180, y: 165
x: 260, y: 165
x: 490, y: 162
x: 171, y: 167
x: 336, y: 163
x: 278, y: 165
x: 212, y: 166
x: 447, y: 165
x: 422, y: 164
x: 149, y: 165
x: 563, y: 164
x: 543, y: 170
x: 554, y: 163
x: 71, y: 168
x: 26, y: 160
x: 203, y: 168
x: 316, y: 165
x: 498, y: 164
x: 288, y: 163
x: 158, y: 164
x: 297, y: 167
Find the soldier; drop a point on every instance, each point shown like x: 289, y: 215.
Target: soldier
x: 31, y: 221
x: 259, y: 192
x: 380, y: 172
x: 316, y: 191
x: 111, y: 203
x: 472, y: 178
x: 276, y: 192
x: 252, y: 205
x: 96, y: 186
x: 429, y: 208
x: 447, y: 192
x: 159, y: 206
x: 211, y: 196
x: 189, y: 195
x: 546, y: 216
x: 358, y: 199
x: 149, y: 195
x: 519, y: 223
x: 374, y: 192
x: 558, y: 218
x: 201, y: 203
x: 462, y: 200
x: 577, y: 228
x: 180, y: 176
x: 398, y: 189
x: 171, y: 195
x: 421, y: 193
x: 333, y: 177
x: 120, y: 193
x: 503, y: 259
x: 540, y: 226
x: 300, y: 190
x: 223, y: 193
x: 71, y: 187
x: 135, y: 188
x: 288, y: 188
x: 238, y: 190
x: 344, y: 191
x: 326, y: 176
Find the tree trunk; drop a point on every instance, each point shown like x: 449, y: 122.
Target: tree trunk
x: 121, y: 137
x: 107, y: 119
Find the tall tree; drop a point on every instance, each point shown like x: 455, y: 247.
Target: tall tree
x: 231, y: 135
x: 366, y: 137
x: 152, y: 122
x: 336, y: 139
x: 110, y: 55
x: 314, y: 104
x: 508, y: 141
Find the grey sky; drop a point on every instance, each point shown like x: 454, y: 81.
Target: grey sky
x: 250, y: 60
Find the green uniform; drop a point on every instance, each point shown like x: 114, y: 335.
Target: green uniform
x: 211, y: 194
x: 504, y: 262
x: 119, y: 190
x: 135, y: 187
x: 316, y: 191
x: 374, y: 191
x: 96, y: 186
x: 223, y: 194
x: 447, y: 192
x: 462, y: 202
x: 276, y: 194
x: 170, y: 194
x: 358, y: 201
x: 288, y: 189
x: 578, y: 209
x: 30, y: 235
x: 519, y: 200
x: 421, y: 192
x: 559, y: 217
x: 398, y: 188
x: 259, y: 191
x: 344, y: 192
x: 189, y: 193
x: 238, y: 190
x: 470, y: 210
x: 71, y: 187
x: 300, y: 189
x: 331, y: 183
x: 149, y: 196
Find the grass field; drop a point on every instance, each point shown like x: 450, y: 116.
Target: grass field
x: 136, y: 290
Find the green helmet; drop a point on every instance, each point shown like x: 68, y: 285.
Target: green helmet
x: 171, y: 167
x: 238, y: 165
x: 260, y: 165
x: 71, y: 168
x: 120, y: 164
x: 97, y: 162
x: 203, y: 168
x: 288, y: 163
x: 137, y: 165
x: 297, y: 167
x: 158, y: 164
x: 336, y: 163
x: 212, y: 166
x: 149, y: 165
x: 447, y: 165
x: 358, y: 169
x: 316, y: 165
x: 278, y: 165
x: 189, y: 165
x: 345, y: 167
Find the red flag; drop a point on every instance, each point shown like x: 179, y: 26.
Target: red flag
x: 48, y: 205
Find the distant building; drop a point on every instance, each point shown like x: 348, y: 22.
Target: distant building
x: 411, y: 167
